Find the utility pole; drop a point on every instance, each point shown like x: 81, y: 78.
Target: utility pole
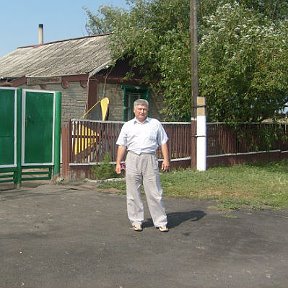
x: 194, y: 81
x: 198, y: 104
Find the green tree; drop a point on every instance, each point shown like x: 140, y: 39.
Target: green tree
x: 155, y: 36
x: 243, y: 64
x: 106, y: 20
x: 243, y: 53
x: 273, y: 9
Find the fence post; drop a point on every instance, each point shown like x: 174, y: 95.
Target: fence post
x: 193, y: 143
x: 66, y: 150
x: 201, y: 134
x: 18, y: 173
x: 57, y: 134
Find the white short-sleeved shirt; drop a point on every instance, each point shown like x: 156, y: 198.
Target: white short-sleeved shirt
x: 142, y: 137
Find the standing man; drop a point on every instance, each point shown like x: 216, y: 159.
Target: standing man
x: 141, y: 137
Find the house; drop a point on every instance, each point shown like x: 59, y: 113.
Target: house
x: 83, y: 70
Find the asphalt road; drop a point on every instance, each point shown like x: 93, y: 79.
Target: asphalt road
x: 73, y: 236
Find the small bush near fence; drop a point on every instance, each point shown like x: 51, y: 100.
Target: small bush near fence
x: 104, y: 170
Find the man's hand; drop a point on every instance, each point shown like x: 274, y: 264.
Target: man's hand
x: 165, y: 165
x: 118, y: 168
x: 120, y: 155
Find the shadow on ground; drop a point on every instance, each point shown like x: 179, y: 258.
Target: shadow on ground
x: 177, y: 218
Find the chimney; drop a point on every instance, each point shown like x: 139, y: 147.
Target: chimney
x: 40, y: 34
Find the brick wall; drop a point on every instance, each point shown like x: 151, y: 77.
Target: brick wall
x: 115, y: 94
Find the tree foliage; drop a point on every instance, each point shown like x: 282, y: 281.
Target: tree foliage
x: 243, y: 64
x: 242, y: 53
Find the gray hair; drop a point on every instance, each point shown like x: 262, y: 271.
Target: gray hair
x: 141, y: 102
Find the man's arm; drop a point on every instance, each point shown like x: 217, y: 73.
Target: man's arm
x: 165, y: 153
x: 120, y: 155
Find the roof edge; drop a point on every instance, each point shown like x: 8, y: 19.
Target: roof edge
x: 63, y: 40
x: 101, y: 67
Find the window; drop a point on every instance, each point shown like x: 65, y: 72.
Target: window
x: 132, y: 93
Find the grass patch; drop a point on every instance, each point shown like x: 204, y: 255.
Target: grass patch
x: 254, y: 186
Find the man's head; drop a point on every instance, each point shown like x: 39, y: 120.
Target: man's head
x: 141, y: 107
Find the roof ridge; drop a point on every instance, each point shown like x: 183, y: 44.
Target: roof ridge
x: 64, y: 40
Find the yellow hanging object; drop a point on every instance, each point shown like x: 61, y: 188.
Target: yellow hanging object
x: 99, y: 111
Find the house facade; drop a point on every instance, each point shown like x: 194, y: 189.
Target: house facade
x: 82, y: 69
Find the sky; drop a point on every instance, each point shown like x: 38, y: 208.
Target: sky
x: 61, y: 19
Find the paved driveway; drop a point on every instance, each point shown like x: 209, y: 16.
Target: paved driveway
x: 73, y: 236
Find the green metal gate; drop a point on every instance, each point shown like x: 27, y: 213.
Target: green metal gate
x: 8, y: 120
x: 30, y: 128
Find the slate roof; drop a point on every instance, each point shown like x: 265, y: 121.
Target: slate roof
x: 60, y: 58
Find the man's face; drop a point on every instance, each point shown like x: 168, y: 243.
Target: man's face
x: 141, y: 112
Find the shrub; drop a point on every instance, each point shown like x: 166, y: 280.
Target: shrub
x: 104, y: 170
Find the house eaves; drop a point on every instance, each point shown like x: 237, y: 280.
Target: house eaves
x: 60, y: 58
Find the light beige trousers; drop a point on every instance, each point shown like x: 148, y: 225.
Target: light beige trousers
x: 143, y: 169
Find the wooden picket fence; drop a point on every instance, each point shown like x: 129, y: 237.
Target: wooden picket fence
x: 85, y: 142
